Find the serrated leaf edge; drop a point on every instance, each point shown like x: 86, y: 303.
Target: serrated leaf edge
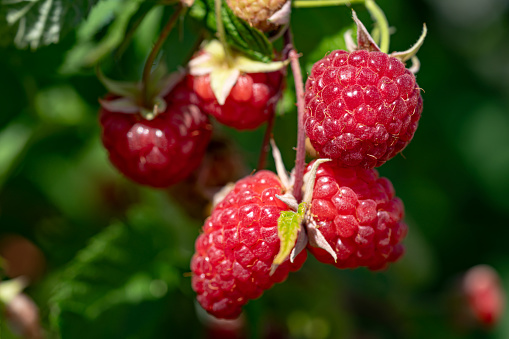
x: 292, y: 219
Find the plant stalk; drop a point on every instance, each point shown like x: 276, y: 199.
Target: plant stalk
x: 300, y: 158
x: 155, y: 51
x: 379, y: 17
x: 221, y: 32
x: 324, y: 3
x: 376, y: 13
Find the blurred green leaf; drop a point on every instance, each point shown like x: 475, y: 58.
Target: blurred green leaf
x: 122, y: 269
x: 113, y: 14
x: 328, y: 44
x: 60, y: 104
x: 39, y: 23
x: 239, y: 34
x: 146, y: 14
x: 14, y: 139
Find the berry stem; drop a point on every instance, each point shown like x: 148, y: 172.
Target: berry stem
x: 155, y: 51
x: 382, y: 23
x: 266, y: 140
x: 375, y: 11
x: 324, y: 3
x: 300, y: 159
x: 221, y: 32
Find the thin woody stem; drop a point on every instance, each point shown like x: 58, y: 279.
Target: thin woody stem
x: 300, y: 159
x: 262, y: 160
x: 155, y: 51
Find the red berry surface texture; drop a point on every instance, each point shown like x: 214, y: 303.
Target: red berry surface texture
x: 162, y: 151
x: 238, y: 244
x: 251, y: 101
x: 362, y: 108
x: 359, y: 215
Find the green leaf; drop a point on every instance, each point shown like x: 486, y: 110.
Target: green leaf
x: 87, y: 52
x: 125, y: 268
x: 14, y: 139
x: 36, y: 23
x: 288, y: 226
x: 239, y: 34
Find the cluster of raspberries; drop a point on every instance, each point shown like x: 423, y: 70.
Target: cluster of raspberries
x: 163, y: 151
x: 362, y: 108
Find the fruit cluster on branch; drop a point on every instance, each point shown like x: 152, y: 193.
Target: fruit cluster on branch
x: 360, y: 109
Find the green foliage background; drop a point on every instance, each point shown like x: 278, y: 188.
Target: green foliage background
x: 117, y: 253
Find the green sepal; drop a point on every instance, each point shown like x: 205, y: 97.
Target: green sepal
x: 239, y: 34
x: 223, y: 72
x: 288, y: 226
x: 122, y: 88
x: 412, y: 51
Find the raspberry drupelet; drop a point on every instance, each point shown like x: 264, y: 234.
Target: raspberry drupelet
x: 234, y: 254
x: 362, y: 107
x: 359, y: 215
x: 162, y: 151
x: 251, y: 102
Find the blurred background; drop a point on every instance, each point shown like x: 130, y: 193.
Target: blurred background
x: 107, y: 258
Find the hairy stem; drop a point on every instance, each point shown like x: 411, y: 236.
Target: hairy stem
x: 300, y: 159
x: 155, y: 51
x: 262, y: 160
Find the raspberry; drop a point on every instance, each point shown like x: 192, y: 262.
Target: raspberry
x: 250, y: 103
x: 235, y: 252
x: 359, y: 216
x: 485, y: 294
x: 257, y: 12
x: 162, y: 151
x: 362, y: 108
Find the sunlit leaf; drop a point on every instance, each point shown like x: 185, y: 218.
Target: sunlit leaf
x: 39, y: 23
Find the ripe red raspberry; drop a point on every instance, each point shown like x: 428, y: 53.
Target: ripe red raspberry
x: 362, y: 108
x: 359, y: 216
x: 250, y: 103
x: 235, y: 252
x: 162, y: 151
